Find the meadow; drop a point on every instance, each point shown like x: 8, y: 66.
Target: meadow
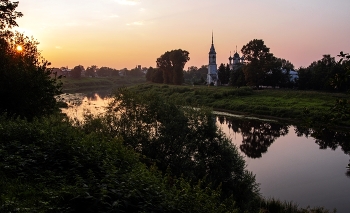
x: 88, y: 83
x: 282, y: 104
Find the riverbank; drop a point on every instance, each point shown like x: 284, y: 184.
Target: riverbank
x: 71, y: 85
x: 283, y: 105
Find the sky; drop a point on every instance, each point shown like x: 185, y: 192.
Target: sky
x: 125, y: 33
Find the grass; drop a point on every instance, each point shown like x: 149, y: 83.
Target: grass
x: 282, y: 104
x: 87, y: 83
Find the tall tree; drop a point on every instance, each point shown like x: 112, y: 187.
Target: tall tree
x: 171, y: 64
x: 91, y: 71
x: 224, y: 73
x: 76, y: 72
x: 259, y: 61
x: 237, y: 78
x: 26, y: 88
x: 8, y: 14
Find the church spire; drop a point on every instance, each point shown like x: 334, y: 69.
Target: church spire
x: 212, y: 48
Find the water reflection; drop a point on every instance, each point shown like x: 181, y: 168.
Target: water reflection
x: 327, y: 138
x: 257, y: 136
x: 80, y: 104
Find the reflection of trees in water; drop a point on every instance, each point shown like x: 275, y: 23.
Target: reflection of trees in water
x: 257, y: 135
x: 327, y: 138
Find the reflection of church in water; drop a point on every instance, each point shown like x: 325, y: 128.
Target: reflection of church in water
x: 234, y: 63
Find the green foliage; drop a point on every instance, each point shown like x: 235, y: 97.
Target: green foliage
x: 182, y: 139
x: 281, y: 103
x: 26, y: 88
x: 49, y: 166
x: 196, y: 76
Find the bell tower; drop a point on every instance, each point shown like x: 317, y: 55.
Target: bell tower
x: 212, y: 76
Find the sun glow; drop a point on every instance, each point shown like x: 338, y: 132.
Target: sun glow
x: 19, y: 48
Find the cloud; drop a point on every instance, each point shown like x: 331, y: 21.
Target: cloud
x: 128, y: 2
x: 136, y: 23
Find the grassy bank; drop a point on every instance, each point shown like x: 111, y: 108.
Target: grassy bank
x: 294, y: 105
x: 87, y: 83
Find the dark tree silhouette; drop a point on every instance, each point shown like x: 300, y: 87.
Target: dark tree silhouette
x: 26, y: 87
x: 8, y: 14
x: 259, y: 62
x: 171, y: 64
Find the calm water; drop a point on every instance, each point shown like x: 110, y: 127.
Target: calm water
x: 291, y: 163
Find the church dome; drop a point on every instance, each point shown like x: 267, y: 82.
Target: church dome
x: 236, y: 55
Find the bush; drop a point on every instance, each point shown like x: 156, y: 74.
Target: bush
x: 49, y: 166
x: 182, y: 139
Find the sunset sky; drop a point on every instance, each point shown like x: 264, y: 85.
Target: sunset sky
x: 125, y: 33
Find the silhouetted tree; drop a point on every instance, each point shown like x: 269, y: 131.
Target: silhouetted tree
x: 8, y: 15
x: 135, y: 72
x: 259, y: 62
x: 224, y: 73
x: 76, y: 72
x: 26, y: 87
x: 91, y: 71
x: 324, y: 74
x: 171, y: 64
x: 154, y: 75
x: 237, y: 78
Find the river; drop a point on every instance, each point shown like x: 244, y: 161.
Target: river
x: 291, y: 163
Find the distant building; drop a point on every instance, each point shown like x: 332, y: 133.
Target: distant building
x: 293, y: 75
x: 235, y: 62
x: 212, y: 76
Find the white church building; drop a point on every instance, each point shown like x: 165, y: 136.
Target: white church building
x: 212, y: 76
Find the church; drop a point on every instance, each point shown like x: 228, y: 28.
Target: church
x: 212, y: 76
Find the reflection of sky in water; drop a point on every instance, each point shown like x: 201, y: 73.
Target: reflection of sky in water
x: 79, y: 104
x: 292, y: 169
x: 295, y: 169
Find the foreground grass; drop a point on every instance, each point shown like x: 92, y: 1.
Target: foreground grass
x: 293, y: 105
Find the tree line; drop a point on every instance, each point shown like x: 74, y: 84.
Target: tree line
x: 95, y: 71
x: 260, y: 68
